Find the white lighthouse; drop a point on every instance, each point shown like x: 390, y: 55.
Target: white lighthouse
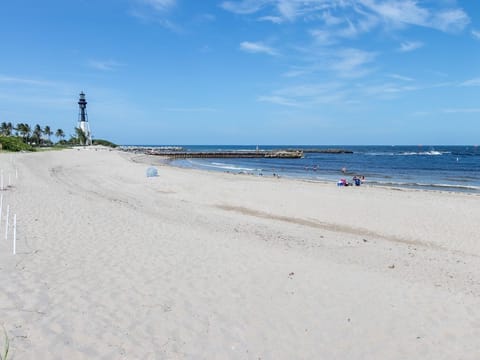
x: 83, y: 119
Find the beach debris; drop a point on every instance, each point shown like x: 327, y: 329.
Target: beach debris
x: 365, y: 240
x: 291, y: 274
x: 391, y: 266
x: 152, y: 172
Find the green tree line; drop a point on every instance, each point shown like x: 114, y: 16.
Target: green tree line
x: 24, y: 137
x: 36, y: 136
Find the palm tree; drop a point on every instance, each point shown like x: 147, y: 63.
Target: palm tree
x: 9, y: 128
x: 81, y: 136
x: 47, y: 132
x: 19, y: 128
x: 59, y: 134
x: 37, y: 134
x: 24, y: 130
x: 3, y: 128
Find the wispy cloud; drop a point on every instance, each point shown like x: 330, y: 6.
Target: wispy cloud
x: 307, y: 95
x: 273, y: 19
x: 160, y: 15
x: 476, y: 34
x: 196, y: 110
x: 462, y: 110
x: 296, y: 72
x: 279, y: 100
x: 104, y: 65
x: 323, y: 37
x: 24, y: 81
x: 388, y: 89
x: 452, y: 20
x: 34, y: 90
x: 160, y: 5
x: 243, y: 7
x: 471, y: 82
x: 400, y: 77
x: 352, y: 62
x: 408, y: 46
x: 355, y: 16
x: 421, y: 113
x: 257, y: 47
x: 409, y: 12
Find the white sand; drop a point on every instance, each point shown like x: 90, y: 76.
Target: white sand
x: 197, y: 265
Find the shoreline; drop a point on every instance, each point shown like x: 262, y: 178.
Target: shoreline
x: 456, y: 189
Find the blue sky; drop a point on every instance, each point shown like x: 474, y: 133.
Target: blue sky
x: 246, y: 71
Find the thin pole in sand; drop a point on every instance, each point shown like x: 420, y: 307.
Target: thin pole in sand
x: 1, y: 181
x: 6, y: 222
x: 16, y: 173
x: 1, y: 210
x: 14, y: 234
x: 9, y: 180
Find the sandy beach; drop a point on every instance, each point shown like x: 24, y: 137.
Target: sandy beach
x: 111, y: 264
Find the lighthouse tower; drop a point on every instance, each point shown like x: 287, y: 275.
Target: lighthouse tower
x: 83, y: 119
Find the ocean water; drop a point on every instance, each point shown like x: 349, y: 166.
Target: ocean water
x: 451, y: 168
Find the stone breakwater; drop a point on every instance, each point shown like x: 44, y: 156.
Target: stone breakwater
x: 227, y: 154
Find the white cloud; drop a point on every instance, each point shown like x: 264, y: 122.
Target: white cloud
x: 24, y: 81
x: 279, y: 100
x: 200, y: 109
x: 148, y: 18
x: 159, y: 15
x: 288, y: 9
x: 400, y: 77
x: 476, y: 34
x: 408, y: 46
x: 462, y: 110
x: 273, y: 19
x: 398, y: 12
x: 257, y: 47
x: 387, y: 89
x: 331, y: 20
x: 306, y: 95
x: 160, y: 5
x: 471, y: 82
x: 450, y: 20
x: 421, y: 113
x: 243, y: 7
x: 296, y: 72
x: 104, y: 65
x: 351, y: 62
x: 358, y: 15
x: 323, y: 37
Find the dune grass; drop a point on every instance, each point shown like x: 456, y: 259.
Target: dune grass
x: 6, y: 346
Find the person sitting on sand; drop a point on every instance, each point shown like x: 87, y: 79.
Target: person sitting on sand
x: 356, y: 180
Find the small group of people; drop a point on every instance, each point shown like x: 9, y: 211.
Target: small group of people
x: 356, y: 181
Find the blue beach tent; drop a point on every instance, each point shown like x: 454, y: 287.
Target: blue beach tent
x: 152, y: 172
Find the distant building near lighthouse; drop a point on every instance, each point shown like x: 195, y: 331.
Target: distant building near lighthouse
x: 83, y: 119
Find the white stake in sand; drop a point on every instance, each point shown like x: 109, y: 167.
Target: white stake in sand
x: 6, y: 222
x: 14, y: 234
x: 1, y: 210
x: 9, y: 180
x: 16, y: 173
x: 1, y: 182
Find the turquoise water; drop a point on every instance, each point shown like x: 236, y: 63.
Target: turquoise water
x: 452, y: 168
